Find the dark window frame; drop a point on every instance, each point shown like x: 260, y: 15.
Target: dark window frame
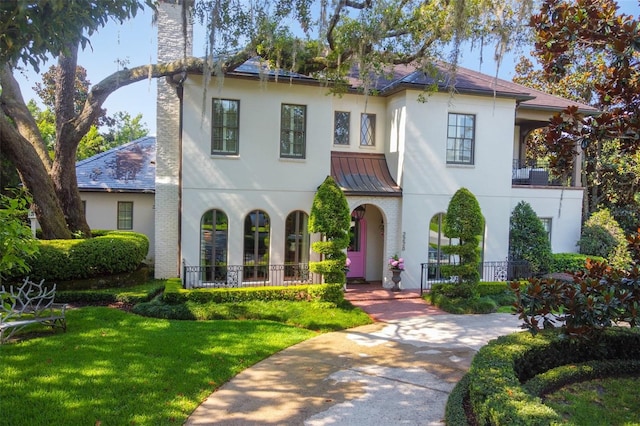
x: 341, y: 134
x: 220, y: 131
x: 125, y: 223
x: 457, y: 138
x: 293, y: 141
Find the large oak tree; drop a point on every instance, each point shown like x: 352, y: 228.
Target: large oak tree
x: 320, y: 38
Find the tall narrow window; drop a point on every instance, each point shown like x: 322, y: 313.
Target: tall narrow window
x: 214, y: 226
x: 293, y: 129
x: 125, y: 215
x: 546, y: 222
x: 256, y: 246
x: 225, y: 131
x: 341, y: 121
x: 367, y: 129
x: 297, y: 240
x: 460, y: 138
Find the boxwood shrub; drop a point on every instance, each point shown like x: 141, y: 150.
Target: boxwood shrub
x: 496, y: 383
x: 112, y: 253
x: 571, y: 262
x: 175, y: 294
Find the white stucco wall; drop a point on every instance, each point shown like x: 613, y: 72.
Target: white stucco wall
x: 257, y: 178
x: 102, y: 213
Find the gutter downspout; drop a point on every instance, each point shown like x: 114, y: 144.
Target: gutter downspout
x: 177, y: 82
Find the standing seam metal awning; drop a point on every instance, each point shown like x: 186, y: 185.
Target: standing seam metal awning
x: 363, y: 174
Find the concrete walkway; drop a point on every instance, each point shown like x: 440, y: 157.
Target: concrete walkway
x: 399, y: 370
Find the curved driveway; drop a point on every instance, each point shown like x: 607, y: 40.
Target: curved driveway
x: 398, y: 371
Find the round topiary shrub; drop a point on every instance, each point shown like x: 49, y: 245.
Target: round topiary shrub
x: 603, y: 236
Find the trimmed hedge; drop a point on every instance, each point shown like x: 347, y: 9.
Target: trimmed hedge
x: 112, y: 253
x: 138, y: 294
x: 175, y: 294
x: 496, y: 380
x: 571, y: 262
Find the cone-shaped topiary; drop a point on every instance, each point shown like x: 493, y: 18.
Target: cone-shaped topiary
x: 465, y: 222
x: 528, y: 239
x: 331, y: 217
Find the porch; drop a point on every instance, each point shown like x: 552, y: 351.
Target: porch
x: 536, y: 173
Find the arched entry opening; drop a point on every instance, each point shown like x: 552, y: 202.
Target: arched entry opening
x: 366, y: 245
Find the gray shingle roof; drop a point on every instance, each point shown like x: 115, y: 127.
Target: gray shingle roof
x: 126, y: 168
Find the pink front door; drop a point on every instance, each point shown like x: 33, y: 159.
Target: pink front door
x: 357, y: 251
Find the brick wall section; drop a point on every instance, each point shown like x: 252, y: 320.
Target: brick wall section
x: 167, y: 202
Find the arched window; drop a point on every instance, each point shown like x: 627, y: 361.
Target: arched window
x: 437, y: 240
x: 256, y: 245
x: 296, y: 237
x: 214, y: 226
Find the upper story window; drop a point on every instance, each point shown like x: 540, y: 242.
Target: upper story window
x: 367, y: 129
x: 125, y: 215
x: 341, y: 121
x: 546, y: 222
x: 225, y: 130
x: 293, y: 129
x: 460, y: 138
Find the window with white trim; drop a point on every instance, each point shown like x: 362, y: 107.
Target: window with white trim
x: 367, y: 129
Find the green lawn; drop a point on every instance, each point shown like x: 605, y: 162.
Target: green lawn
x: 612, y: 401
x: 116, y: 368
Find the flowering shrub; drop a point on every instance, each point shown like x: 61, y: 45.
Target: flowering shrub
x: 396, y: 263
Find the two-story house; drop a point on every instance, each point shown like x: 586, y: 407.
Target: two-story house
x: 237, y: 171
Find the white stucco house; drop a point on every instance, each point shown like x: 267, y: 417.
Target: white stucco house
x: 117, y: 188
x: 235, y: 181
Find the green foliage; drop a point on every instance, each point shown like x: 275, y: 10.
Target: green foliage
x: 330, y: 216
x: 130, y: 295
x: 17, y: 245
x: 496, y: 381
x: 583, y: 307
x: 602, y: 236
x: 597, y: 241
x: 175, y: 294
x: 115, y: 252
x: 528, y: 239
x: 32, y: 31
x: 571, y: 262
x: 464, y: 221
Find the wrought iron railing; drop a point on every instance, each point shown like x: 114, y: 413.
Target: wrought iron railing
x: 535, y: 172
x: 225, y: 276
x: 504, y: 270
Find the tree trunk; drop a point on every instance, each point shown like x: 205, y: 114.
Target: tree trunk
x: 63, y: 171
x: 35, y: 178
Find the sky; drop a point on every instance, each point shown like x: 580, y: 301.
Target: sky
x: 135, y: 43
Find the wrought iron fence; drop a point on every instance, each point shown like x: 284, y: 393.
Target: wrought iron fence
x: 226, y: 276
x: 504, y: 270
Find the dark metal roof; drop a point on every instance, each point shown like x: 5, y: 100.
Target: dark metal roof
x: 363, y: 174
x: 126, y: 168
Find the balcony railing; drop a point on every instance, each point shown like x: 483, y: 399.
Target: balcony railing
x: 505, y: 270
x: 538, y: 173
x: 229, y: 276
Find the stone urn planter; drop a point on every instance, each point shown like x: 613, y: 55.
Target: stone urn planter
x: 395, y: 277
